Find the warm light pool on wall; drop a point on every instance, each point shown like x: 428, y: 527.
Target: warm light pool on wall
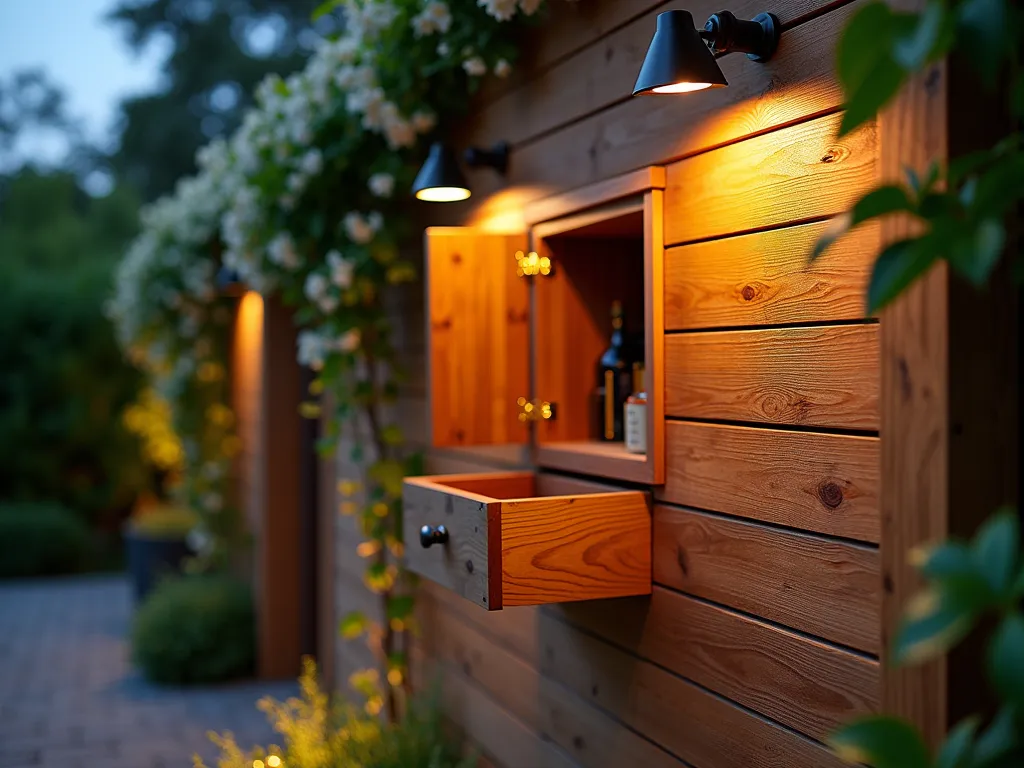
x: 441, y: 180
x: 680, y: 59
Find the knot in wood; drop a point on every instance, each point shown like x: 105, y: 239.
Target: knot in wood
x: 834, y: 155
x: 456, y: 258
x: 748, y: 292
x: 469, y: 566
x: 830, y: 493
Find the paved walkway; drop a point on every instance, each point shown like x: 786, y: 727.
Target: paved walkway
x: 69, y: 697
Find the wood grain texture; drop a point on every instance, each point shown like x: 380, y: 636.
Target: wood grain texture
x: 914, y: 405
x: 689, y: 722
x: 588, y: 735
x: 796, y: 84
x: 814, y: 377
x: 601, y: 192
x: 603, y: 74
x: 579, y: 547
x: 655, y: 703
x: 473, y: 551
x: 591, y: 457
x: 829, y: 589
x: 784, y: 177
x: 654, y: 332
x: 824, y: 483
x: 766, y: 278
x: 810, y: 686
x: 477, y: 336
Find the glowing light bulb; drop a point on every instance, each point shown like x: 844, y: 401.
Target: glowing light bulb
x: 681, y: 87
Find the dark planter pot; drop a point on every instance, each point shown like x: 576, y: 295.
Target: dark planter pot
x: 150, y: 560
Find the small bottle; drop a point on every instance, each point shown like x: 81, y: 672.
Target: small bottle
x: 635, y: 413
x: 612, y: 385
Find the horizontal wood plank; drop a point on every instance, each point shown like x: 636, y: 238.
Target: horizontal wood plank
x: 586, y: 734
x: 815, y: 377
x: 827, y: 588
x: 823, y: 483
x: 784, y: 177
x: 797, y: 83
x: 767, y: 278
x: 603, y: 74
x: 683, y: 719
x: 808, y: 685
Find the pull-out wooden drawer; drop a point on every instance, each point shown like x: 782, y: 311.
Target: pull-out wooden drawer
x: 522, y: 538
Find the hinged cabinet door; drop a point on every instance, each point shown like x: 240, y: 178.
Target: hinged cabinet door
x: 478, y: 313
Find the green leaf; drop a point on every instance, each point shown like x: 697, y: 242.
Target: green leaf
x: 392, y: 435
x: 877, y: 202
x: 956, y: 749
x: 998, y: 739
x: 899, y: 265
x: 1006, y: 659
x: 324, y: 8
x: 924, y: 42
x: 352, y: 625
x: 996, y: 547
x: 985, y: 24
x: 400, y: 607
x: 975, y: 258
x: 865, y: 66
x: 389, y: 474
x: 881, y: 742
x: 933, y: 624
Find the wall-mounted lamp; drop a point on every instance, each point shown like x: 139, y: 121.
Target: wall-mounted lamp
x: 441, y: 180
x: 680, y: 59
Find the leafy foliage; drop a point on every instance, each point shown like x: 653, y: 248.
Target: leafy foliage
x: 319, y: 735
x: 64, y: 381
x: 40, y: 540
x: 968, y: 584
x: 219, y: 51
x: 198, y: 629
x: 960, y: 210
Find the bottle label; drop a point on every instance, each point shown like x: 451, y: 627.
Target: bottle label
x: 609, y: 405
x: 636, y: 427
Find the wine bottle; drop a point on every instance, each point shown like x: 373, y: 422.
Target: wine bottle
x: 613, y: 385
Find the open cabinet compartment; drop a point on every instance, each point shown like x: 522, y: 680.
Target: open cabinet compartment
x: 523, y: 538
x: 513, y: 358
x: 610, y: 252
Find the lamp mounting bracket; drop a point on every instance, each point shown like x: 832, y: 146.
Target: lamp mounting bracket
x: 496, y: 157
x: 757, y: 38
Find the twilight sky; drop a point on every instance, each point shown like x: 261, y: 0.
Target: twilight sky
x: 81, y: 53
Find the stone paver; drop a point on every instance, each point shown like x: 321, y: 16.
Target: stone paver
x: 69, y: 696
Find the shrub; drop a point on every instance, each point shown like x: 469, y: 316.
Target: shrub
x: 63, y: 389
x: 319, y: 735
x: 198, y: 629
x: 41, y: 539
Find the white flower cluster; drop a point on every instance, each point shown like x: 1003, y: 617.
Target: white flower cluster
x: 504, y: 10
x: 314, y: 346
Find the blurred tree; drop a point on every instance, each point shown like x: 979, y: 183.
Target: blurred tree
x: 219, y: 51
x: 64, y: 383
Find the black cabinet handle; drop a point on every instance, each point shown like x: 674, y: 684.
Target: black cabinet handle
x: 429, y: 535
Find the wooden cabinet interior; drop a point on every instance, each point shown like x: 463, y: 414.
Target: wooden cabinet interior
x: 605, y: 244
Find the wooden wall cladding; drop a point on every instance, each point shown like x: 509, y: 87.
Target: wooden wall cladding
x: 826, y: 588
x: 812, y: 377
x: 819, y: 482
x: 763, y: 628
x: 787, y: 176
x: 766, y: 278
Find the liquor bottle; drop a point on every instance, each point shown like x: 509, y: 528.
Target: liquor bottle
x: 613, y: 385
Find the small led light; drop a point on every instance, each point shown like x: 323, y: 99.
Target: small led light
x: 681, y: 88
x: 443, y: 194
x: 273, y: 761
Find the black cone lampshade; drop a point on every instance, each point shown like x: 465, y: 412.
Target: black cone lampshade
x: 440, y: 180
x: 678, y: 60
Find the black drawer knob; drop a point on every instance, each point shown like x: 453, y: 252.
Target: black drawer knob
x: 429, y: 535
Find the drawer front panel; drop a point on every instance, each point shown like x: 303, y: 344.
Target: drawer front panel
x: 463, y: 565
